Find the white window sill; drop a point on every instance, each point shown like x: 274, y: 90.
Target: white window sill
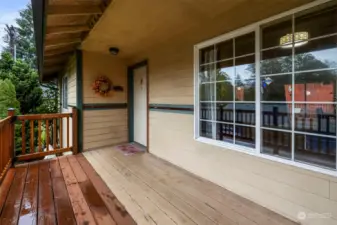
x: 253, y: 152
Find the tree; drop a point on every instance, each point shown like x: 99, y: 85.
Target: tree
x: 25, y: 80
x: 23, y: 37
x: 7, y: 97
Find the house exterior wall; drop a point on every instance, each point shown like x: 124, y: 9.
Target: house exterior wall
x: 104, y: 120
x: 286, y: 189
x: 71, y: 73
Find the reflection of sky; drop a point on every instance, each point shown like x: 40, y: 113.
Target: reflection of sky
x: 329, y: 55
x: 243, y: 71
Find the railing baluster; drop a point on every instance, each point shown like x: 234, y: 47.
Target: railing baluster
x: 68, y: 144
x: 23, y: 136
x: 31, y: 136
x: 61, y: 133
x: 54, y: 134
x: 39, y: 136
x: 47, y: 134
x: 50, y: 121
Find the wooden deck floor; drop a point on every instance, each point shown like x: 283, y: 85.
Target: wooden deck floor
x: 63, y: 191
x: 156, y: 192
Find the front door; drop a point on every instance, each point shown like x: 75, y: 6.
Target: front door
x: 140, y: 105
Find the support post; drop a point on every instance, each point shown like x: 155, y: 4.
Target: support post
x: 75, y: 130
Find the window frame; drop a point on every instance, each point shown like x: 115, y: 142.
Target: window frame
x: 65, y: 92
x: 256, y: 28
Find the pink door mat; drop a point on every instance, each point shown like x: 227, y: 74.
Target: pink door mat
x: 130, y: 149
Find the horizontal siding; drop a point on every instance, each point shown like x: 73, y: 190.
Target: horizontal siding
x: 282, y: 188
x: 95, y: 65
x: 72, y: 75
x: 164, y: 78
x: 104, y: 127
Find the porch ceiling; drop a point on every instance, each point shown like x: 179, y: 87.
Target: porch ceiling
x: 60, y: 26
x: 136, y: 26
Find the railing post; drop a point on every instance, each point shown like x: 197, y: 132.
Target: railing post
x: 75, y: 130
x: 11, y: 113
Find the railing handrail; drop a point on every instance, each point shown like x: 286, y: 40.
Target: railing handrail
x: 5, y: 121
x: 43, y: 116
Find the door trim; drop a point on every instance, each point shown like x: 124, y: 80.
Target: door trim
x: 131, y: 100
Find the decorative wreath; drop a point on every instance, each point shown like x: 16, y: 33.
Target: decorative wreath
x: 102, y: 85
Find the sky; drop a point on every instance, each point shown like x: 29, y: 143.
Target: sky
x: 9, y: 10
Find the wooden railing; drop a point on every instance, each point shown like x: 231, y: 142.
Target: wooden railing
x: 6, y: 144
x: 49, y: 127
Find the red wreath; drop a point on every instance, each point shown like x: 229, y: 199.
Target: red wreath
x: 102, y: 85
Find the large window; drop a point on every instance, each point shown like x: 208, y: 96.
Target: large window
x: 271, y: 88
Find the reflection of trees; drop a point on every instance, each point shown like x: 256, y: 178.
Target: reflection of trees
x: 303, y: 62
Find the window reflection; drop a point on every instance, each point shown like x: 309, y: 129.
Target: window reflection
x: 276, y: 61
x: 206, y: 92
x: 224, y: 50
x: 206, y: 110
x: 224, y: 132
x: 276, y: 143
x: 276, y: 115
x: 245, y: 68
x: 317, y: 22
x: 245, y: 113
x: 245, y: 136
x: 206, y: 129
x: 224, y: 91
x: 317, y: 54
x: 276, y: 88
x: 225, y: 70
x: 245, y: 90
x: 207, y: 73
x: 206, y: 55
x: 315, y: 150
x: 224, y: 112
x: 272, y: 33
x: 245, y: 44
x: 318, y: 86
x: 315, y: 118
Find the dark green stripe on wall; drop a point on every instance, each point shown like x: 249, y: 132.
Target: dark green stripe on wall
x: 172, y: 108
x: 104, y: 106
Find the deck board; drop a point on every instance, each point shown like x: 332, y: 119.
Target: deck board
x: 11, y: 210
x: 28, y: 211
x: 46, y: 210
x: 81, y: 209
x: 5, y: 186
x: 93, y: 199
x: 219, y: 213
x: 63, y: 207
x: 184, y: 197
x: 183, y: 213
x: 106, y: 187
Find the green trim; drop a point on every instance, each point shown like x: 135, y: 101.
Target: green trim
x: 172, y: 111
x: 39, y: 19
x: 191, y: 107
x: 171, y: 108
x: 79, y: 97
x: 104, y: 106
x: 130, y: 97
